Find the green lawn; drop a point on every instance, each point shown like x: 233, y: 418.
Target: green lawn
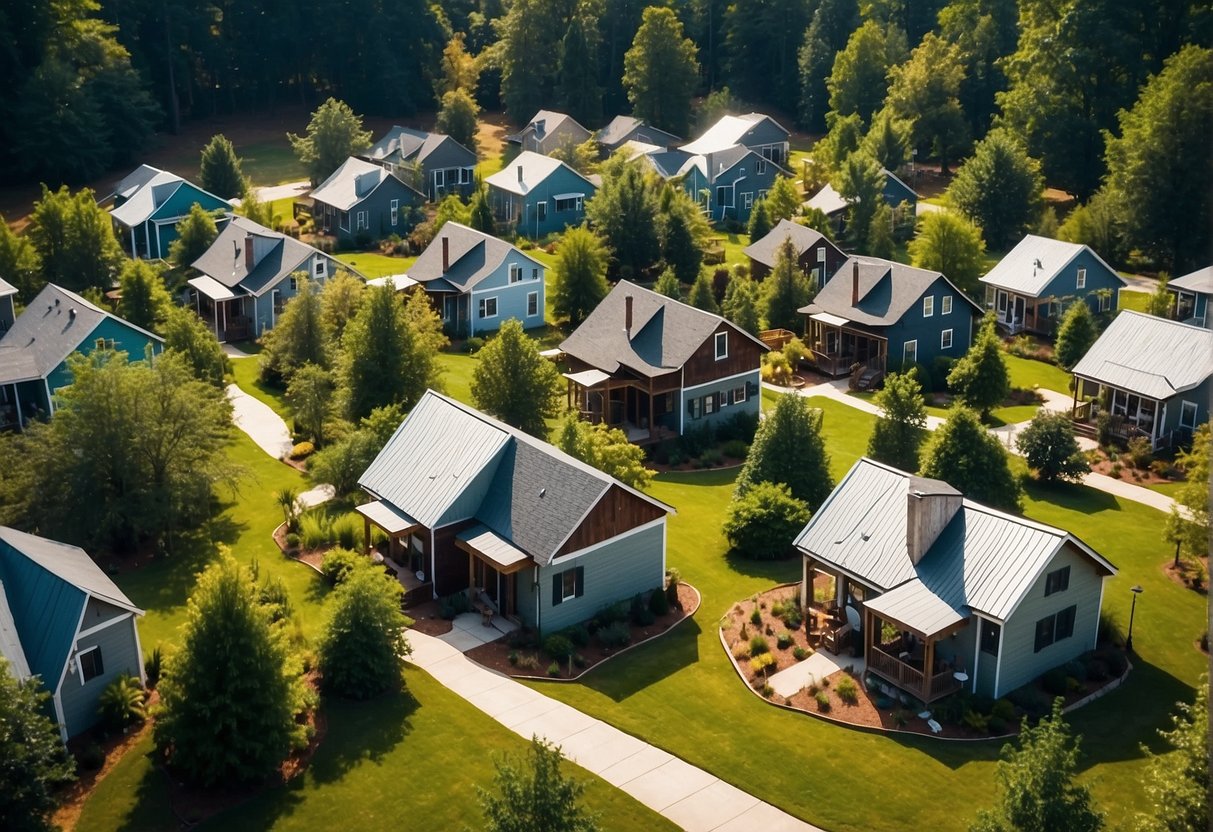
x: 246, y: 372
x: 1130, y: 299
x: 372, y: 264
x: 282, y: 210
x: 271, y: 162
x: 1029, y: 373
x: 457, y: 369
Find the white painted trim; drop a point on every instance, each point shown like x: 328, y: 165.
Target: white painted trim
x: 682, y: 398
x: 432, y: 576
x: 1002, y: 634
x: 67, y: 660
x: 1103, y: 582
x: 580, y: 520
x: 664, y: 529
x: 139, y: 652
x: 80, y: 667
x: 723, y: 379
x: 92, y: 630
x: 593, y: 547
x: 976, y: 653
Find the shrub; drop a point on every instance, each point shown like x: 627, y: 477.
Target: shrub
x: 673, y: 579
x: 996, y: 725
x: 1054, y: 681
x: 345, y: 531
x: 739, y: 426
x: 473, y: 345
x: 695, y: 441
x: 553, y: 669
x: 513, y: 657
x: 756, y: 618
x: 800, y: 654
x: 578, y: 635
x: 1033, y: 702
x: 528, y: 662
x: 759, y: 665
x: 152, y: 666
x: 302, y: 451
x: 1162, y: 468
x: 338, y: 564
x: 316, y: 529
x: 612, y: 614
x: 1077, y: 669
x: 558, y: 647
x: 1003, y: 709
x: 710, y: 458
x: 1115, y: 470
x: 617, y: 634
x: 121, y: 704
x: 784, y: 641
x: 1117, y: 662
x: 848, y: 691
x: 1108, y: 631
x: 639, y: 613
x: 788, y: 611
x: 762, y: 524
x: 741, y: 650
x: 823, y: 701
x: 454, y: 605
x: 1097, y: 669
x: 362, y: 650
x: 975, y: 721
x: 292, y: 542
x: 1139, y: 452
x: 91, y: 757
x: 659, y: 605
x: 735, y: 448
x: 758, y: 645
x: 579, y: 660
x: 1103, y: 428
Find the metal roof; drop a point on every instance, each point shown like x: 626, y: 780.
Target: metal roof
x: 766, y: 249
x: 10, y: 641
x: 486, y: 542
x: 212, y: 288
x: 917, y: 607
x: 6, y: 288
x: 353, y: 182
x: 398, y: 282
x: 728, y: 131
x: 887, y: 290
x: 1200, y: 280
x: 70, y: 564
x: 387, y: 517
x: 827, y: 200
x: 1150, y: 356
x: 587, y: 378
x: 145, y: 190
x: 1018, y: 271
x: 535, y: 169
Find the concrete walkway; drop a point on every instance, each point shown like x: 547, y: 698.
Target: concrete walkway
x: 791, y: 680
x: 688, y: 796
x: 260, y: 422
x: 292, y: 189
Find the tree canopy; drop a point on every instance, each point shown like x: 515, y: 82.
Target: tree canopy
x: 580, y: 281
x: 624, y: 212
x: 980, y: 378
x: 145, y: 302
x: 458, y: 117
x: 1000, y: 189
x: 1075, y: 335
x: 534, y: 793
x: 786, y: 289
x: 965, y: 455
x: 220, y: 171
x: 859, y: 79
x: 333, y: 135
x: 788, y: 448
x: 74, y: 239
x: 606, y: 448
x: 901, y: 428
x: 363, y: 648
x: 513, y: 382
x: 195, y: 233
x: 36, y: 762
x: 660, y: 72
x: 1049, y: 446
x: 1190, y: 527
x: 925, y: 92
x: 949, y: 243
x: 1177, y: 783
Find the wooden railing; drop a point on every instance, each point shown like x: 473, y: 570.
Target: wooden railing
x: 775, y: 339
x: 941, y: 685
x: 909, y: 678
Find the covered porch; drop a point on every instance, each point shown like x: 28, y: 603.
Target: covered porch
x: 405, y: 553
x: 645, y: 409
x: 22, y: 399
x: 221, y: 309
x: 837, y: 346
x: 494, y: 566
x: 904, y: 628
x: 1132, y: 415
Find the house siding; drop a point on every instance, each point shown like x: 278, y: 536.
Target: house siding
x: 125, y: 337
x: 928, y: 331
x: 378, y: 205
x: 742, y: 179
x: 263, y: 315
x: 449, y: 156
x: 522, y: 211
x: 567, y: 130
x: 1198, y: 395
x: 619, y: 569
x: 119, y: 655
x: 1020, y: 663
x: 751, y: 380
x: 809, y: 264
x: 511, y: 297
x: 163, y: 224
x: 1064, y: 286
x: 99, y: 612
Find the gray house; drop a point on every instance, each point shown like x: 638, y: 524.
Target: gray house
x: 1151, y: 375
x: 8, y: 309
x: 624, y: 129
x: 549, y: 131
x: 1192, y: 292
x: 362, y: 201
x: 472, y: 505
x: 442, y: 165
x: 536, y: 195
x: 477, y: 281
x: 941, y: 593
x: 816, y: 255
x: 755, y: 131
x: 726, y: 182
x: 63, y: 620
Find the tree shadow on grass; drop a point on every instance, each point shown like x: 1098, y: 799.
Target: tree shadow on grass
x: 776, y: 571
x: 1072, y: 496
x: 647, y: 664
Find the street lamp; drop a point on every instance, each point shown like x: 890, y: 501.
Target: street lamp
x: 1136, y: 590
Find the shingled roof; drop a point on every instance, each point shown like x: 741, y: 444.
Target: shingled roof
x: 407, y: 144
x: 224, y: 261
x: 887, y: 290
x: 471, y: 257
x: 765, y: 249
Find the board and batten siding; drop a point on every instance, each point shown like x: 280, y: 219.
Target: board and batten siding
x: 119, y: 655
x: 1019, y: 663
x: 614, y: 571
x: 512, y: 298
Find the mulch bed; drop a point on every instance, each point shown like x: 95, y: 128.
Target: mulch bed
x: 1126, y: 471
x: 427, y: 620
x: 495, y: 655
x: 1188, y: 573
x: 690, y: 465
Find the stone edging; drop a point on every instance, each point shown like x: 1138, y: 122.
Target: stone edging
x: 311, y: 566
x: 649, y: 640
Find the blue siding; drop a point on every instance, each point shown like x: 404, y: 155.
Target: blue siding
x: 45, y: 611
x: 378, y: 210
x: 125, y: 337
x: 261, y: 308
x: 524, y: 210
x: 119, y: 655
x: 928, y: 331
x: 744, y: 182
x: 751, y: 381
x: 512, y: 299
x: 1064, y: 286
x: 1198, y: 396
x: 165, y: 218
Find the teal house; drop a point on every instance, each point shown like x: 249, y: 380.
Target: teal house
x: 1192, y: 292
x: 940, y: 594
x: 471, y: 505
x: 725, y: 182
x: 1032, y: 286
x: 64, y: 621
x: 879, y: 315
x: 148, y: 204
x: 476, y: 281
x: 536, y: 195
x: 1151, y: 375
x: 362, y: 202
x: 34, y: 350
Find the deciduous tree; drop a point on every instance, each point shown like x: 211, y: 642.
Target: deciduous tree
x: 660, y: 71
x: 515, y: 383
x: 965, y: 455
x: 363, y: 647
x: 298, y: 337
x: 1177, y: 783
x: 310, y: 395
x: 74, y: 239
x: 36, y: 763
x: 195, y: 233
x: 333, y: 135
x: 1049, y: 446
x: 999, y: 188
x: 762, y: 523
x: 1097, y: 224
x: 859, y: 79
x: 949, y: 243
x: 1075, y: 335
x: 783, y: 199
x: 19, y: 262
x: 220, y: 171
x: 786, y: 290
x: 1160, y: 302
x: 459, y: 117
x: 789, y: 449
x: 186, y: 335
x: 1189, y: 527
x: 533, y: 794
x: 924, y: 91
x: 145, y: 302
x: 580, y: 281
x: 340, y: 301
x: 458, y: 70
x: 606, y: 448
x: 901, y: 429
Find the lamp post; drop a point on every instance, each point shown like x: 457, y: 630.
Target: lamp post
x: 1136, y: 590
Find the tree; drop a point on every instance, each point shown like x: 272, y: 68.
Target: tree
x: 363, y: 648
x: 681, y: 232
x: 880, y: 233
x: 985, y: 32
x: 530, y: 28
x: 1160, y: 302
x: 459, y: 70
x: 383, y: 361
x: 220, y: 171
x: 421, y: 317
x: 660, y: 72
x: 763, y: 38
x: 861, y: 183
x: 450, y: 209
x: 1097, y: 224
x: 298, y: 337
x: 859, y: 79
x: 624, y: 212
x: 980, y: 378
x: 965, y: 455
x: 924, y: 91
x: 701, y: 295
x: 340, y: 301
x: 36, y: 763
x: 742, y: 299
x: 950, y: 244
x: 343, y: 462
x: 833, y: 22
x: 582, y: 158
x: 762, y: 523
x: 668, y: 285
x: 254, y: 209
x: 459, y: 118
x: 333, y: 135
x: 580, y: 282
x: 844, y: 138
x: 534, y: 794
x: 1178, y: 782
x: 1189, y: 527
x: 577, y: 78
x: 901, y: 429
x: 145, y: 302
x: 514, y: 382
x: 786, y: 290
x: 1159, y: 165
x: 783, y: 200
x: 1038, y: 789
x: 195, y: 233
x: 788, y: 448
x: 888, y: 140
x: 999, y: 188
x: 1075, y: 335
x: 310, y: 395
x: 480, y: 215
x: 1049, y: 446
x: 230, y: 693
x: 74, y: 238
x: 19, y: 262
x: 760, y: 221
x: 606, y: 448
x: 186, y: 335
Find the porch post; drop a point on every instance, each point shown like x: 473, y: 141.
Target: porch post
x: 652, y: 427
x: 366, y: 528
x: 471, y: 575
x: 20, y: 416
x: 1074, y: 406
x: 928, y: 667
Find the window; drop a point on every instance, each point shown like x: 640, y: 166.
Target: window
x: 1053, y: 628
x: 821, y: 254
x: 1065, y: 623
x: 762, y: 193
x: 722, y: 345
x: 945, y: 339
x: 395, y: 211
x: 360, y: 219
x: 294, y: 283
x: 709, y: 404
x: 572, y: 203
x: 761, y: 167
x: 1044, y: 632
x: 105, y: 344
x: 440, y: 179
x: 1105, y: 301
x: 515, y: 273
x: 541, y: 210
x: 945, y: 306
x: 747, y: 200
x: 91, y: 665
x: 1057, y: 581
x: 535, y: 273
x: 990, y: 633
x: 1082, y: 278
x: 928, y: 306
x: 695, y: 406
x: 722, y: 197
x: 1187, y: 415
x: 909, y: 352
x: 568, y: 585
x: 465, y: 176
x: 532, y: 304
x: 488, y: 307
x: 739, y: 395
x: 320, y: 268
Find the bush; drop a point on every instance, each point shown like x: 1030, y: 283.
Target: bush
x: 759, y: 665
x: 513, y: 657
x: 1097, y: 669
x: 292, y: 542
x: 339, y: 564
x: 316, y: 529
x: 788, y: 611
x: 617, y: 634
x: 302, y: 451
x: 346, y: 530
x: 762, y: 524
x: 735, y: 449
x: 710, y: 458
x: 612, y: 614
x: 759, y: 645
x: 975, y: 721
x: 1003, y: 709
x: 452, y: 606
x: 823, y: 701
x: 848, y: 691
x: 738, y: 427
x: 1077, y: 669
x: 578, y: 635
x: 473, y: 345
x: 1035, y: 703
x: 1139, y: 452
x: 784, y: 641
x: 659, y: 605
x: 673, y: 579
x: 1054, y: 681
x: 91, y: 757
x: 996, y: 725
x: 1117, y: 662
x: 756, y: 617
x: 528, y: 662
x: 362, y: 649
x: 553, y: 669
x: 121, y: 704
x: 800, y: 654
x: 1103, y: 429
x: 558, y: 647
x: 696, y: 440
x: 152, y: 666
x: 640, y: 613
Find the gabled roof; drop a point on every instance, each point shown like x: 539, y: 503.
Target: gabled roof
x: 765, y: 249
x: 535, y: 495
x: 982, y: 561
x: 406, y: 144
x: 544, y: 123
x: 51, y: 328
x: 668, y: 163
x: 10, y: 641
x: 472, y: 256
x: 1200, y: 281
x: 665, y: 332
x: 535, y: 168
x: 224, y: 261
x: 6, y: 288
x: 621, y: 128
x: 830, y: 202
x: 135, y: 180
x: 1150, y: 356
x: 887, y: 290
x: 1029, y: 267
x: 145, y: 190
x: 353, y: 182
x: 728, y: 131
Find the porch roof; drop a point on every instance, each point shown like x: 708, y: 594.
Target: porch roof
x: 212, y: 288
x: 829, y: 318
x: 916, y: 607
x: 588, y: 378
x: 387, y: 517
x: 1149, y: 356
x: 399, y: 282
x: 483, y: 541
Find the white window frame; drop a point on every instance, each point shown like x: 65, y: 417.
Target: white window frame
x: 945, y: 339
x: 760, y: 168
x: 1183, y: 409
x: 439, y: 178
x: 739, y: 395
x: 905, y: 351
x: 1082, y: 278
x: 541, y: 210
x: 945, y: 305
x: 747, y: 200
x: 361, y: 221
x: 721, y: 338
x: 96, y: 648
x: 928, y: 306
x: 465, y: 176
x: 568, y: 585
x: 1105, y: 301
x: 294, y: 283
x: 532, y: 297
x: 821, y: 254
x: 395, y: 204
x: 320, y: 269
x: 483, y: 308
x: 515, y: 273
x: 709, y: 404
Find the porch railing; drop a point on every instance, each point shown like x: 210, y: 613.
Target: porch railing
x: 909, y: 678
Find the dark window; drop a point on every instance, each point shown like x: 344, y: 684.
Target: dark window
x: 1057, y: 581
x: 1065, y: 623
x: 1044, y: 633
x: 532, y: 304
x: 989, y: 637
x: 568, y: 585
x: 90, y: 664
x: 488, y: 307
x: 542, y: 208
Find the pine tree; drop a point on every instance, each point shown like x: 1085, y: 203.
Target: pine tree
x: 513, y: 382
x: 145, y: 301
x: 481, y: 214
x: 783, y: 200
x: 298, y: 337
x: 220, y: 172
x: 333, y: 135
x: 760, y: 221
x: 786, y: 290
x: 578, y: 68
x: 660, y: 72
x: 580, y: 275
x: 702, y: 296
x: 668, y: 285
x: 788, y: 448
x: 535, y: 794
x: 195, y: 233
x: 74, y: 238
x: 680, y: 230
x: 383, y: 361
x: 1075, y: 335
x: 624, y: 212
x: 901, y: 429
x: 965, y: 455
x: 861, y: 184
x: 741, y: 304
x: 888, y: 140
x: 363, y: 648
x: 980, y: 378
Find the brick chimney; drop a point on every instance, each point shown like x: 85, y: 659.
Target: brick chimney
x: 627, y: 314
x: 930, y: 506
x: 446, y: 254
x: 855, y: 283
x: 248, y: 252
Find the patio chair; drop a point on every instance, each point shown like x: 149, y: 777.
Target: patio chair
x: 837, y: 640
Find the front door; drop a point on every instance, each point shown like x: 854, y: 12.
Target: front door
x: 1003, y: 306
x: 1019, y: 310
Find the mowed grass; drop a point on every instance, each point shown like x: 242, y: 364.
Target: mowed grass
x: 372, y: 264
x: 1028, y: 373
x: 246, y: 372
x: 1132, y: 299
x: 271, y: 162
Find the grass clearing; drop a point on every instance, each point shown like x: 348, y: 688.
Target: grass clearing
x: 372, y: 264
x: 246, y: 372
x: 270, y: 162
x: 1028, y: 373
x: 1131, y: 299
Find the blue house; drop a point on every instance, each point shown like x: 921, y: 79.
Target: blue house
x: 362, y: 202
x: 816, y: 255
x: 941, y: 594
x: 1151, y: 375
x: 470, y: 504
x: 64, y: 621
x: 657, y: 368
x: 897, y: 195
x: 1192, y: 292
x: 34, y: 351
x: 1031, y: 287
x: 247, y: 276
x: 754, y: 131
x: 148, y: 204
x: 549, y: 131
x: 442, y: 165
x: 477, y: 281
x: 623, y: 129
x: 883, y: 315
x: 536, y: 195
